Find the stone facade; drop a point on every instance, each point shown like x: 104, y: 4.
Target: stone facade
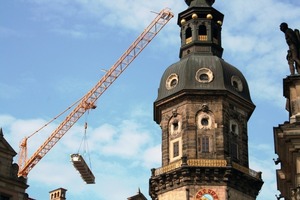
x: 287, y: 143
x: 58, y: 194
x: 12, y: 187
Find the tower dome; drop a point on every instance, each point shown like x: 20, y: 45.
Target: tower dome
x: 203, y: 74
x: 201, y: 69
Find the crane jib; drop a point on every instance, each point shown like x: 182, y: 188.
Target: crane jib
x: 89, y: 100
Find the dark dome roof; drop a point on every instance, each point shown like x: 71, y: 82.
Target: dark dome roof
x: 200, y: 72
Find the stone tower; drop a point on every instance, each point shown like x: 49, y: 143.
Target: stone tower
x: 203, y: 107
x: 287, y: 142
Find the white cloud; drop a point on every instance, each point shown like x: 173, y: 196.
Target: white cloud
x: 5, y: 120
x: 64, y: 17
x: 152, y: 157
x: 112, y: 146
x: 252, y: 42
x: 128, y: 142
x: 261, y: 159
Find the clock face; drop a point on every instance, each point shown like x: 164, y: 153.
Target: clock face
x: 206, y: 197
x: 206, y: 194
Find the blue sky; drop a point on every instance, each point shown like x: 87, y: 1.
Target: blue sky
x: 54, y: 51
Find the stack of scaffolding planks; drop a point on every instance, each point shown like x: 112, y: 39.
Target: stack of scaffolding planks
x: 83, y: 168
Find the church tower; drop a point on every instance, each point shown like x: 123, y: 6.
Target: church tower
x: 203, y: 107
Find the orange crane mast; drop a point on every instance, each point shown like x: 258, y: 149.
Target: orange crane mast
x: 88, y: 101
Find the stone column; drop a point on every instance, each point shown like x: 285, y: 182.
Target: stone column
x: 292, y: 94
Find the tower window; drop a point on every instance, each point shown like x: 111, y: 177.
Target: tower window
x: 204, y: 77
x: 233, y: 128
x: 202, y: 32
x: 235, y: 151
x: 188, y: 35
x: 173, y: 83
x: 236, y: 82
x: 175, y: 149
x: 204, y: 121
x: 175, y: 125
x: 298, y: 171
x: 204, y: 144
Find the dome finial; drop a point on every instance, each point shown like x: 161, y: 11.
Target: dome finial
x: 199, y: 2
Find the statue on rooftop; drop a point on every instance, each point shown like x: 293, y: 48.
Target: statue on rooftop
x: 293, y: 41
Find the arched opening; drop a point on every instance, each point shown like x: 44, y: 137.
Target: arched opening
x: 188, y: 35
x: 202, y: 33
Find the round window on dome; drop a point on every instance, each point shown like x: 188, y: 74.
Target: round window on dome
x: 204, y: 75
x: 172, y: 81
x: 236, y: 82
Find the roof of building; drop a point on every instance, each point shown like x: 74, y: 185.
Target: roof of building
x: 203, y: 73
x: 138, y: 196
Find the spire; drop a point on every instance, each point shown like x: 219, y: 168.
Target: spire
x: 1, y: 132
x: 201, y: 27
x: 200, y: 3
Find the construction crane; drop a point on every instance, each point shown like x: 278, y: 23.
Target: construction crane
x: 88, y: 101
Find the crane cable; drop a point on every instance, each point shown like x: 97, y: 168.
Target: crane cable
x: 23, y: 144
x: 56, y: 117
x: 84, y: 142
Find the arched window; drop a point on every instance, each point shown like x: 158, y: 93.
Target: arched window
x: 188, y: 35
x: 202, y: 33
x: 234, y: 127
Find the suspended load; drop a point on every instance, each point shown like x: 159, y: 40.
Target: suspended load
x: 83, y: 169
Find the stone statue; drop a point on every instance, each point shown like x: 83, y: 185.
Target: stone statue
x: 293, y: 41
